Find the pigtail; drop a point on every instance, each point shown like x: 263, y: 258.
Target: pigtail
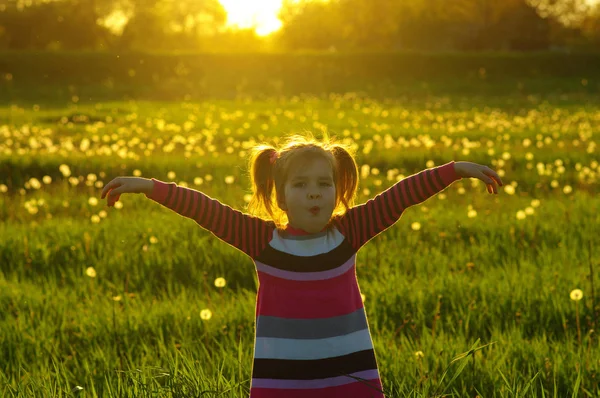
x: 347, y: 176
x: 261, y: 177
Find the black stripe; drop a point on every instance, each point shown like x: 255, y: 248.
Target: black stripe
x: 170, y: 193
x: 320, y: 262
x: 314, y: 369
x: 388, y: 203
x: 181, y: 206
x: 409, y: 190
x: 399, y: 186
x: 419, y: 181
x: 436, y: 173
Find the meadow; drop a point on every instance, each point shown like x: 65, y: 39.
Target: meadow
x: 468, y: 294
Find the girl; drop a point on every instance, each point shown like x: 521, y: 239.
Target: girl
x: 303, y: 232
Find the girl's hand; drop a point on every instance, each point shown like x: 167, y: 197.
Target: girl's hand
x: 484, y: 173
x: 120, y: 185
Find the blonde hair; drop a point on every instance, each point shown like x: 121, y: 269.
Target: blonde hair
x: 268, y: 178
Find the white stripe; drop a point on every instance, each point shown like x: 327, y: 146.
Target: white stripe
x: 307, y: 247
x: 276, y: 348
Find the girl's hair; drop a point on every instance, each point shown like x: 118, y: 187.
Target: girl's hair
x: 266, y: 175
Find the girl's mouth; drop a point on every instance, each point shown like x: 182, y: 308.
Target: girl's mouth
x: 315, y: 210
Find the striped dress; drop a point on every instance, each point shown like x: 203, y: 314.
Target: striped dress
x: 312, y: 338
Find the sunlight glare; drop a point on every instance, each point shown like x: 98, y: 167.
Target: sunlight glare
x: 262, y: 14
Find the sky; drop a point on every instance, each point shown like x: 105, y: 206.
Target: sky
x: 248, y: 13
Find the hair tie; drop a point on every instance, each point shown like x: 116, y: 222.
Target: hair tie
x: 273, y: 157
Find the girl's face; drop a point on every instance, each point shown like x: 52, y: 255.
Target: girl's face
x: 309, y: 194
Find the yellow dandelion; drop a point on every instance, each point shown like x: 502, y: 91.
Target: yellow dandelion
x: 472, y: 213
x: 3, y: 188
x: 102, y: 213
x: 567, y: 189
x: 576, y: 294
x: 205, y: 314
x: 208, y: 177
x: 461, y: 191
x: 35, y: 183
x: 153, y: 240
x: 118, y: 205
x: 93, y: 201
x: 137, y: 173
x: 366, y: 191
x: 91, y: 272
x: 65, y: 170
x: 535, y: 203
x: 521, y: 215
x: 247, y: 198
x: 416, y: 226
x: 95, y: 219
x: 171, y: 175
x: 47, y: 179
x: 117, y: 298
x: 419, y: 355
x: 509, y: 189
x: 220, y: 282
x: 229, y: 180
x: 554, y: 183
x: 529, y: 210
x: 198, y: 181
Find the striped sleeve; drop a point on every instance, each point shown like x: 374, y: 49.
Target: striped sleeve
x: 245, y: 232
x: 363, y: 222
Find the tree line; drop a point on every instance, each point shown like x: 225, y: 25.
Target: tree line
x: 318, y: 25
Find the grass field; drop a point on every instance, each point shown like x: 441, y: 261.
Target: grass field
x: 122, y: 302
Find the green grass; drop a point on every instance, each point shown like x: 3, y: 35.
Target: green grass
x: 493, y: 287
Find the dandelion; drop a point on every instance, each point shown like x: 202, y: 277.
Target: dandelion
x: 567, y: 189
x: 95, y: 219
x: 205, y: 314
x: 47, y: 180
x: 419, y: 355
x: 102, y: 214
x: 472, y: 213
x: 118, y: 205
x: 153, y: 240
x: 521, y: 215
x: 529, y: 210
x: 416, y: 226
x: 576, y: 295
x: 35, y: 183
x: 535, y: 203
x: 91, y: 272
x: 93, y: 201
x: 171, y: 175
x: 117, y: 298
x: 198, y: 181
x: 509, y: 189
x: 220, y: 282
x: 137, y: 173
x: 65, y: 170
x: 229, y: 180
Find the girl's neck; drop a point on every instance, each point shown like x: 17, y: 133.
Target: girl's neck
x: 298, y: 231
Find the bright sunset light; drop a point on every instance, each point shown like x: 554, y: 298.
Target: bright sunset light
x: 259, y: 13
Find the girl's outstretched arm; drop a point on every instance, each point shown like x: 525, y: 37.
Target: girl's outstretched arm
x: 247, y: 233
x: 363, y: 222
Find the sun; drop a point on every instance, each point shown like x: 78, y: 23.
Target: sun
x: 260, y: 14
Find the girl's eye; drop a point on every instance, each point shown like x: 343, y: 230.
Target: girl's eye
x: 325, y: 184
x: 299, y: 184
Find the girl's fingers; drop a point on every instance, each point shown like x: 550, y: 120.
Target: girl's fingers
x: 113, y: 184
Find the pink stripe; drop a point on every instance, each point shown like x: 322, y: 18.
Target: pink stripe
x: 288, y: 299
x: 354, y: 390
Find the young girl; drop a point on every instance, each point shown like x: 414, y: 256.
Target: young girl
x: 312, y: 338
